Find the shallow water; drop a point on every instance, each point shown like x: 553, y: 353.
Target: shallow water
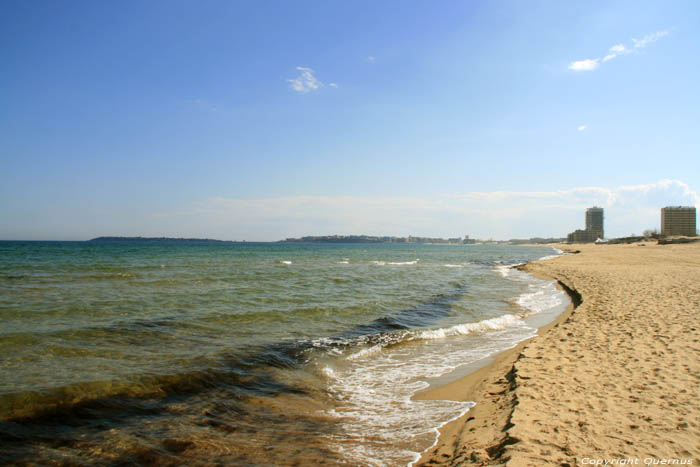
x: 246, y: 353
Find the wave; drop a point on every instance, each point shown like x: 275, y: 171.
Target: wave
x: 492, y: 324
x: 377, y: 343
x: 366, y: 352
x: 403, y: 263
x: 395, y: 263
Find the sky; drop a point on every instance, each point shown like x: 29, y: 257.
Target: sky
x: 262, y: 120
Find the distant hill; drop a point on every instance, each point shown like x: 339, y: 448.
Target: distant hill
x: 155, y: 240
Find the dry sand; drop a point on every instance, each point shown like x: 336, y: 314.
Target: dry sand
x: 616, y: 379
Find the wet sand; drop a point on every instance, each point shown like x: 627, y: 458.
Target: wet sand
x: 616, y: 379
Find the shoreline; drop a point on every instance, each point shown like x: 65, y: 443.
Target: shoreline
x: 491, y: 379
x: 549, y: 401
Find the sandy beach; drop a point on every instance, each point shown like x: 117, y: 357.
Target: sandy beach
x: 613, y: 381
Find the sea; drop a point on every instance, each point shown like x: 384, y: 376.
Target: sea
x: 174, y: 352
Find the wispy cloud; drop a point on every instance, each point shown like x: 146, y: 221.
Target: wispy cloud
x: 648, y: 39
x: 581, y: 128
x: 497, y: 214
x: 617, y: 50
x: 306, y: 81
x: 371, y: 59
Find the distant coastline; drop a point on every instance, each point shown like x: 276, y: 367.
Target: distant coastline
x: 157, y: 240
x: 417, y: 240
x: 377, y: 239
x: 351, y: 239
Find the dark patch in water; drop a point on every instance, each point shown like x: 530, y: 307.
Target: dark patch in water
x: 13, y: 277
x: 421, y: 315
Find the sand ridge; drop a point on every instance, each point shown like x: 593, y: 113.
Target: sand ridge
x: 617, y: 378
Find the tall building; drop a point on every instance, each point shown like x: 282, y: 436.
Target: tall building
x: 594, y: 220
x: 594, y: 227
x: 678, y: 220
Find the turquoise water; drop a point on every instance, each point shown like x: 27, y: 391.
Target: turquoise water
x: 246, y: 353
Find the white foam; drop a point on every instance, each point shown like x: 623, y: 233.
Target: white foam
x: 502, y: 270
x: 380, y: 423
x: 493, y: 324
x: 545, y: 297
x: 284, y: 262
x: 344, y: 262
x: 454, y: 265
x: 510, y: 272
x: 365, y: 352
x: 395, y: 263
x: 557, y: 253
x: 436, y: 430
x: 541, y: 295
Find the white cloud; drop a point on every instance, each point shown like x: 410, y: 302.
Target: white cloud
x: 305, y: 82
x: 371, y: 59
x: 585, y: 65
x: 618, y: 49
x: 495, y: 214
x: 615, y: 51
x: 648, y: 39
x: 581, y: 128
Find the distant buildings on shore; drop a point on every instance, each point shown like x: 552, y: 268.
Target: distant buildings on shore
x: 678, y: 220
x: 377, y: 239
x: 418, y: 240
x: 594, y: 227
x: 675, y: 221
x: 594, y: 221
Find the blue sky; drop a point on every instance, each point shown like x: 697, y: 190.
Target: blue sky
x: 265, y: 120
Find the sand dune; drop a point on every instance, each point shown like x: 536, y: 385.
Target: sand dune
x: 617, y: 379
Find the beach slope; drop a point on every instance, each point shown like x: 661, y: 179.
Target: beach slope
x: 616, y: 378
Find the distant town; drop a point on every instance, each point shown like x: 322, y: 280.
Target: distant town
x: 415, y: 240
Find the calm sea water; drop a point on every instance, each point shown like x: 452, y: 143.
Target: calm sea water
x: 247, y: 353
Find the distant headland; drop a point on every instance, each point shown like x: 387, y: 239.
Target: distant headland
x: 156, y: 240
